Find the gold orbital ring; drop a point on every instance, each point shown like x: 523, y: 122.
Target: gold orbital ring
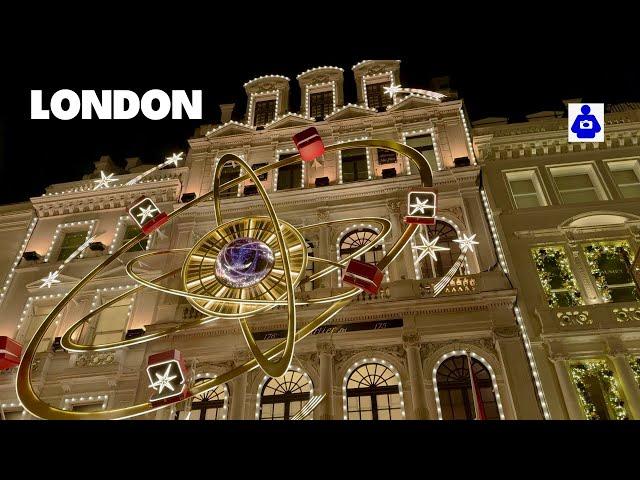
x: 34, y: 405
x: 71, y: 345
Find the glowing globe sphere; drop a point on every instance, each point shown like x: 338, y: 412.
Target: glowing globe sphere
x: 243, y: 262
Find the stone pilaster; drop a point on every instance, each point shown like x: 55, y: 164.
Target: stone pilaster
x: 324, y: 411
x: 411, y: 343
x: 569, y: 392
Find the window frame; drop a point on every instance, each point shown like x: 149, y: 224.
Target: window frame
x: 61, y: 230
x: 124, y: 222
x: 320, y: 88
x: 589, y: 169
x: 289, y: 152
x: 286, y: 414
x: 376, y: 79
x: 520, y: 174
x: 259, y: 97
x: 612, y: 166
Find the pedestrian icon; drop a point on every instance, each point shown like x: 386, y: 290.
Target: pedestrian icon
x: 586, y: 122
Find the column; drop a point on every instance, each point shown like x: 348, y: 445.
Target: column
x: 324, y: 247
x: 569, y: 392
x: 627, y: 381
x: 521, y: 401
x: 324, y: 411
x: 238, y: 396
x: 411, y: 343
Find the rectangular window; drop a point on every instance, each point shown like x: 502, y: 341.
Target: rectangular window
x: 577, y: 184
x: 525, y: 189
x: 386, y: 157
x: 556, y: 277
x: 354, y: 165
x: 290, y: 176
x: 263, y: 176
x: 610, y: 264
x: 320, y: 103
x: 38, y: 315
x: 112, y: 322
x: 626, y: 175
x: 70, y: 243
x: 229, y: 173
x: 376, y: 98
x: 87, y: 407
x: 265, y: 111
x: 129, y: 233
x: 424, y: 144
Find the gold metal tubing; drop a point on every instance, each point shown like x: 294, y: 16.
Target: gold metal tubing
x: 278, y: 367
x: 38, y: 408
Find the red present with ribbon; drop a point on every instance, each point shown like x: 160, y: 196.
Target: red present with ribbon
x: 309, y: 144
x: 10, y: 352
x: 364, y: 275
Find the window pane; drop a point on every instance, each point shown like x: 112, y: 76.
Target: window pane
x: 290, y: 176
x: 527, y: 201
x: 579, y: 196
x: 265, y: 111
x: 573, y: 181
x: 624, y: 176
x: 376, y: 98
x: 522, y: 186
x: 630, y: 191
x: 70, y: 243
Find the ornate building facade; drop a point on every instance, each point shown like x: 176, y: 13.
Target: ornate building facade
x: 567, y: 218
x: 399, y: 354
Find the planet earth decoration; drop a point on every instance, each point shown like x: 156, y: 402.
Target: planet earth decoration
x: 243, y: 262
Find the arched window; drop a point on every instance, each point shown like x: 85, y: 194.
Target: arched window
x: 281, y: 398
x: 356, y: 239
x: 373, y: 393
x: 429, y: 268
x: 455, y: 393
x: 209, y: 405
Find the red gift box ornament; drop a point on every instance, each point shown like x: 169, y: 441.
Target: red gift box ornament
x: 10, y: 352
x: 421, y: 206
x: 167, y: 377
x: 309, y: 144
x: 147, y: 215
x: 363, y: 275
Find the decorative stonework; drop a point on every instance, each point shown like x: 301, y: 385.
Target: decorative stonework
x: 507, y: 332
x: 411, y: 340
x: 627, y: 314
x: 96, y: 359
x: 484, y: 343
x: 574, y: 318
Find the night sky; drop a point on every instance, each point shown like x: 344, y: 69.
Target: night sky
x: 510, y: 67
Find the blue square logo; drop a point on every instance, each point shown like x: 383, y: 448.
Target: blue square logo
x: 586, y: 122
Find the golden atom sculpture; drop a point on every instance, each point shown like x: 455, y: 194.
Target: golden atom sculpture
x: 222, y: 289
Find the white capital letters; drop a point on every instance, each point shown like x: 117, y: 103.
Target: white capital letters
x: 56, y: 104
x: 147, y: 106
x: 37, y: 113
x: 119, y: 110
x: 102, y: 107
x: 180, y: 100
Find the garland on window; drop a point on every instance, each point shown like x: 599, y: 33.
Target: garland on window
x: 593, y: 253
x: 635, y: 366
x: 610, y: 390
x: 556, y: 256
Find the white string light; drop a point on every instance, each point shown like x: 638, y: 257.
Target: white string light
x: 364, y: 362
x: 23, y: 247
x: 70, y: 401
x: 225, y: 404
x: 316, y: 69
x: 486, y: 364
x: 376, y: 76
x: 63, y: 226
x: 467, y: 133
x: 318, y: 88
x: 415, y: 133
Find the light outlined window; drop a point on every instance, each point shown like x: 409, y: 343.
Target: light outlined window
x: 281, y: 398
x: 13, y: 411
x: 320, y: 99
x: 446, y: 234
x: 111, y: 324
x: 610, y: 263
x: 355, y: 165
x: 526, y: 188
x: 424, y: 143
x: 456, y: 392
x: 35, y: 311
x: 373, y: 87
x: 67, y: 238
x: 209, y: 405
x: 89, y: 403
x: 372, y: 391
x: 577, y: 183
x: 290, y: 176
x: 626, y: 176
x: 126, y: 229
x: 556, y: 278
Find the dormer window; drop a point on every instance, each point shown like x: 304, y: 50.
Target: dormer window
x: 265, y: 112
x: 376, y: 97
x: 320, y: 104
